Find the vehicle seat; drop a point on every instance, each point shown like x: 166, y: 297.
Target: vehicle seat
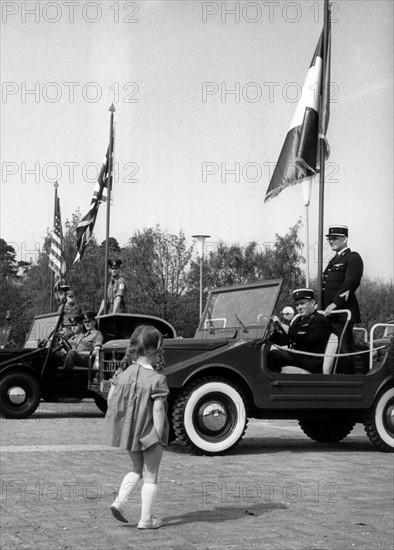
x: 328, y: 362
x: 331, y: 348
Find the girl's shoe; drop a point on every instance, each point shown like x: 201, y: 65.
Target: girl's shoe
x: 153, y: 523
x: 117, y: 513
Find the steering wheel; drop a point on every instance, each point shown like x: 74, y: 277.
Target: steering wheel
x: 279, y: 328
x: 273, y: 327
x: 61, y: 342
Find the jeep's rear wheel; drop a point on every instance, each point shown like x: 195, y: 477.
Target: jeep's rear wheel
x: 20, y: 395
x: 210, y: 416
x: 379, y: 422
x: 326, y: 430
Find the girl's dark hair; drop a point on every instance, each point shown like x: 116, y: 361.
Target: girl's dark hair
x: 145, y: 340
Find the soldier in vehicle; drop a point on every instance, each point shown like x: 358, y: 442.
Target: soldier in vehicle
x: 85, y: 342
x: 70, y: 308
x: 308, y: 332
x: 341, y: 278
x: 116, y: 292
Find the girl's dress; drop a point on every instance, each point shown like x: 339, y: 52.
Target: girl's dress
x: 128, y: 423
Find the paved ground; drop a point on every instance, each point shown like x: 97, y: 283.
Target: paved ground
x: 277, y: 490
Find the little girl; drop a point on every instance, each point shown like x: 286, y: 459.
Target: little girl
x: 136, y: 421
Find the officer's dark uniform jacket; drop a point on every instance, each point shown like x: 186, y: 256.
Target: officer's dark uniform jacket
x: 341, y: 278
x: 310, y: 333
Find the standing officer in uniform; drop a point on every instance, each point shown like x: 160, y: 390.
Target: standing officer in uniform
x: 116, y: 292
x: 309, y: 331
x: 341, y: 279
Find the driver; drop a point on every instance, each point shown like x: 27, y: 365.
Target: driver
x: 84, y: 343
x: 309, y: 331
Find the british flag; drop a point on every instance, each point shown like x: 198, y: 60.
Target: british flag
x: 100, y: 193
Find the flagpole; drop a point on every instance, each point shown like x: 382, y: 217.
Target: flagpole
x: 307, y: 245
x: 306, y: 191
x: 55, y: 185
x: 325, y: 97
x: 110, y: 165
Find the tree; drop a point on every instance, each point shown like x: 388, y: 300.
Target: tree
x: 13, y: 300
x: 376, y: 300
x: 155, y: 268
x: 114, y: 250
x: 284, y: 261
x: 8, y: 264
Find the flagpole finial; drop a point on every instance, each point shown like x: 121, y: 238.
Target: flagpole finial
x: 56, y: 184
x: 112, y: 108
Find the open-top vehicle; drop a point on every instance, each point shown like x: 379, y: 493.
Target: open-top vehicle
x: 219, y: 379
x: 35, y: 371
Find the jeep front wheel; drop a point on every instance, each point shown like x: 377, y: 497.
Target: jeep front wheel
x: 330, y: 430
x: 210, y: 416
x: 20, y: 395
x: 379, y: 422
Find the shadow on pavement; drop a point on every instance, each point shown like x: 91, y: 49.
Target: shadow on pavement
x: 223, y: 513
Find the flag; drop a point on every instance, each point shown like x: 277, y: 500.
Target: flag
x: 299, y: 158
x: 56, y: 253
x: 100, y: 194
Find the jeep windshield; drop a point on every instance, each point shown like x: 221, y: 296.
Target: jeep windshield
x: 41, y: 328
x: 239, y: 307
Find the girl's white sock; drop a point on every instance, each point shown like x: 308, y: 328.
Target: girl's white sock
x: 148, y: 498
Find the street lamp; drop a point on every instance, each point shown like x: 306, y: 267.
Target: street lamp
x: 201, y: 242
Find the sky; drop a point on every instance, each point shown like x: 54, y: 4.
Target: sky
x: 204, y: 94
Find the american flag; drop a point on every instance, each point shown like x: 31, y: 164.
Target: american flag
x: 56, y: 254
x: 100, y: 194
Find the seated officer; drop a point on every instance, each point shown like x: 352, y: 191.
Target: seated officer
x: 309, y: 331
x: 84, y: 343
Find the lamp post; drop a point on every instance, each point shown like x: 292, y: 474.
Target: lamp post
x: 201, y: 242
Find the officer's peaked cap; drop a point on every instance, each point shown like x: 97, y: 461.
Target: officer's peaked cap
x: 75, y: 318
x: 114, y: 263
x: 338, y: 231
x: 89, y: 315
x: 303, y: 294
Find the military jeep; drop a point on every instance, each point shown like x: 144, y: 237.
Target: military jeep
x: 219, y: 378
x: 34, y: 372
